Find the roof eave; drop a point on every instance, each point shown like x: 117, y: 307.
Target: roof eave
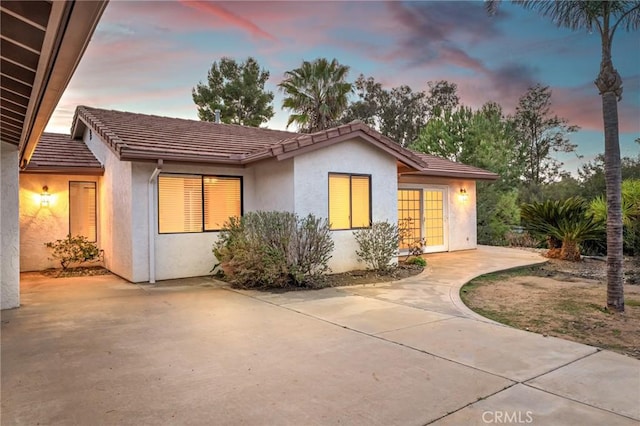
x: 53, y: 170
x: 130, y: 155
x: 454, y: 174
x: 72, y: 25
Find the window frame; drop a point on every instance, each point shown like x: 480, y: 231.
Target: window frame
x: 351, y: 176
x: 95, y: 202
x: 202, y: 177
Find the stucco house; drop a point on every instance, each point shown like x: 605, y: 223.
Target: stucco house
x: 153, y: 191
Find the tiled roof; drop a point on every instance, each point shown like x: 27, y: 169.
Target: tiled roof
x: 141, y: 136
x: 438, y: 166
x: 133, y: 136
x: 56, y: 152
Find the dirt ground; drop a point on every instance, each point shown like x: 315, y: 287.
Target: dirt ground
x: 562, y: 299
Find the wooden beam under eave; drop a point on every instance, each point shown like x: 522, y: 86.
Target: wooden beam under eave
x: 71, y: 25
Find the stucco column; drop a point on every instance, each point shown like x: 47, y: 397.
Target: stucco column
x: 10, y: 227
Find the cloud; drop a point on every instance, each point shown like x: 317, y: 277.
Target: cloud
x: 582, y: 105
x: 235, y: 20
x: 435, y: 32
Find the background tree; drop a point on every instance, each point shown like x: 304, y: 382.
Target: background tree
x: 542, y: 134
x: 488, y: 139
x: 398, y: 113
x: 592, y: 179
x: 605, y: 17
x: 442, y: 96
x: 237, y: 90
x: 316, y: 94
x: 447, y: 135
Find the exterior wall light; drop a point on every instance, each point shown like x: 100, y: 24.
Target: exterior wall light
x: 463, y: 195
x: 45, y: 197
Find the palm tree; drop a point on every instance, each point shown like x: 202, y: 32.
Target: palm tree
x: 562, y: 223
x: 605, y: 16
x: 316, y: 94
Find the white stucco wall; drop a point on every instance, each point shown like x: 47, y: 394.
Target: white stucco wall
x: 311, y: 178
x: 42, y: 224
x: 177, y: 255
x: 115, y: 209
x: 10, y: 235
x: 462, y: 218
x: 274, y: 186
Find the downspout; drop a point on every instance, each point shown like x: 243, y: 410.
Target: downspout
x: 152, y: 230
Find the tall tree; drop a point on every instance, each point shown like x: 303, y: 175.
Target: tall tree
x: 542, y: 134
x: 605, y: 17
x: 316, y: 94
x: 484, y: 138
x: 237, y: 90
x: 398, y: 113
x: 443, y: 96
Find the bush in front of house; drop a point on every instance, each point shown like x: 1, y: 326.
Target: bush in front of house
x: 72, y: 250
x: 378, y: 245
x: 419, y: 261
x: 274, y: 250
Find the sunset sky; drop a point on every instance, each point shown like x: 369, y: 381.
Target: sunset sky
x: 146, y: 56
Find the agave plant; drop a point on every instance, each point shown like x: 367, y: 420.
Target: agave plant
x: 564, y: 224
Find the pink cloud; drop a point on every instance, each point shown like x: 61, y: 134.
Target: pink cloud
x: 227, y: 16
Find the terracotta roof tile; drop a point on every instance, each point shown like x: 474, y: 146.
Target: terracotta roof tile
x: 131, y: 134
x: 438, y: 166
x: 58, y: 152
x: 140, y: 136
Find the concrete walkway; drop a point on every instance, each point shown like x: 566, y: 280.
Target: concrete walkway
x: 102, y: 351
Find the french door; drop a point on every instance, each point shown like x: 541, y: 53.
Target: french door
x: 423, y: 214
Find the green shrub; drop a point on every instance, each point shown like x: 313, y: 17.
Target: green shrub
x: 274, y: 250
x: 74, y: 250
x: 406, y: 237
x: 416, y: 261
x: 378, y: 245
x: 630, y: 215
x: 564, y: 224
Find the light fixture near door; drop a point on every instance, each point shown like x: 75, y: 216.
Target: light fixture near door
x: 463, y: 195
x: 45, y: 197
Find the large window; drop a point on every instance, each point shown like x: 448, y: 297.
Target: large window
x: 197, y: 203
x: 82, y: 209
x: 349, y: 201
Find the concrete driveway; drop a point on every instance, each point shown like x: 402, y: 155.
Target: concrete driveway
x: 99, y: 350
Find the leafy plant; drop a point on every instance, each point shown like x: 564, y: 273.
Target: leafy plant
x: 630, y: 214
x: 274, y: 250
x: 564, y: 224
x: 407, y: 239
x: 416, y: 261
x: 76, y: 249
x: 378, y: 245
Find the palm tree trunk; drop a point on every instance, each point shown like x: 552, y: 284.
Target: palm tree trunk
x: 613, y: 179
x: 570, y: 250
x: 609, y: 84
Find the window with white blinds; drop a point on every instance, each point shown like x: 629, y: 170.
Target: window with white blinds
x: 349, y: 201
x: 82, y: 210
x: 222, y: 197
x: 197, y: 203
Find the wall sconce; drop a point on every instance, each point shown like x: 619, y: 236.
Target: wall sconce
x: 463, y: 195
x: 45, y: 197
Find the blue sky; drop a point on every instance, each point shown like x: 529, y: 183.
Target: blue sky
x: 146, y: 56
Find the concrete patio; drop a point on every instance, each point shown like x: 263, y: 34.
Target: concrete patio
x: 99, y: 350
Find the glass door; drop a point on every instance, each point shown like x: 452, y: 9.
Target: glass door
x: 409, y: 217
x: 435, y: 220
